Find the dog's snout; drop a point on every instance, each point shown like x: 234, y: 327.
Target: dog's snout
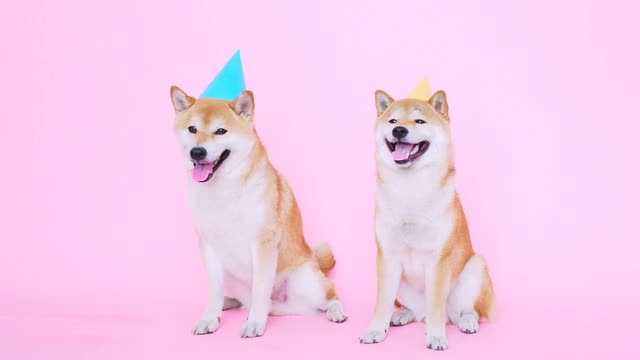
x: 400, y: 131
x: 198, y: 153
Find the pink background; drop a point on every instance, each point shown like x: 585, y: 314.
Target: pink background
x: 99, y: 259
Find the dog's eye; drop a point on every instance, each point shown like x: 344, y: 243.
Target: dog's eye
x: 393, y: 121
x: 220, y: 131
x: 192, y: 129
x: 420, y: 121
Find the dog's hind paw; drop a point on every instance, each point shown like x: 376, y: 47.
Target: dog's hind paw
x: 335, y: 312
x: 468, y: 323
x: 402, y: 317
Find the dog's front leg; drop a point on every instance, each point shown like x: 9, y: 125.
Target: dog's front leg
x: 438, y: 282
x: 265, y: 260
x: 389, y: 274
x: 215, y: 278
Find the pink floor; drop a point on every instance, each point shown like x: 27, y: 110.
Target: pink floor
x: 161, y: 331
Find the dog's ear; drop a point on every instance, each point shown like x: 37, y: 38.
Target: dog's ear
x: 439, y: 102
x: 383, y: 101
x: 243, y: 105
x: 181, y: 101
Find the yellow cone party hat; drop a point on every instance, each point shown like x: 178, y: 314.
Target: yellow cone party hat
x: 422, y: 91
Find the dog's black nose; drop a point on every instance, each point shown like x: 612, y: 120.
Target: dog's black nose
x: 198, y: 153
x: 399, y: 132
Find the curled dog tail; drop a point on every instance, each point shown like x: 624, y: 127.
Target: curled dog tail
x: 325, y: 258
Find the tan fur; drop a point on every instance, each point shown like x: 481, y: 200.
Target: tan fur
x: 280, y: 248
x: 486, y: 303
x: 293, y: 250
x: 325, y: 257
x: 458, y: 249
x: 443, y: 244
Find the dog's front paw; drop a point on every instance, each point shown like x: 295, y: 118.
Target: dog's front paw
x: 373, y: 336
x: 205, y: 326
x: 252, y: 329
x: 437, y: 342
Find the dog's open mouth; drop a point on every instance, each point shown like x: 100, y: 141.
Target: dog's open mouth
x: 203, y: 172
x: 405, y: 152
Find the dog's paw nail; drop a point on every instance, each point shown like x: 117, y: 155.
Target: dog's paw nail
x: 373, y: 336
x: 402, y: 317
x: 252, y: 329
x: 335, y: 313
x: 437, y: 342
x: 205, y: 326
x: 468, y: 324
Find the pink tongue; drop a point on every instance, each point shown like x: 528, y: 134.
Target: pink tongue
x: 402, y: 151
x: 202, y: 171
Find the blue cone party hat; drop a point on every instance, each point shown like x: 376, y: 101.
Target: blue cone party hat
x: 229, y: 83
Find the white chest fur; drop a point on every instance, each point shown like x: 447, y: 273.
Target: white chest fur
x: 414, y: 219
x: 229, y: 216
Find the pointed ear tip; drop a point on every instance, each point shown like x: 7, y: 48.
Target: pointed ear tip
x: 245, y: 93
x: 384, y: 94
x: 175, y: 89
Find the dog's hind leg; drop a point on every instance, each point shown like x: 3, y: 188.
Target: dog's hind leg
x: 402, y: 317
x: 287, y: 308
x: 413, y: 305
x: 309, y: 290
x: 471, y: 297
x: 231, y: 303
